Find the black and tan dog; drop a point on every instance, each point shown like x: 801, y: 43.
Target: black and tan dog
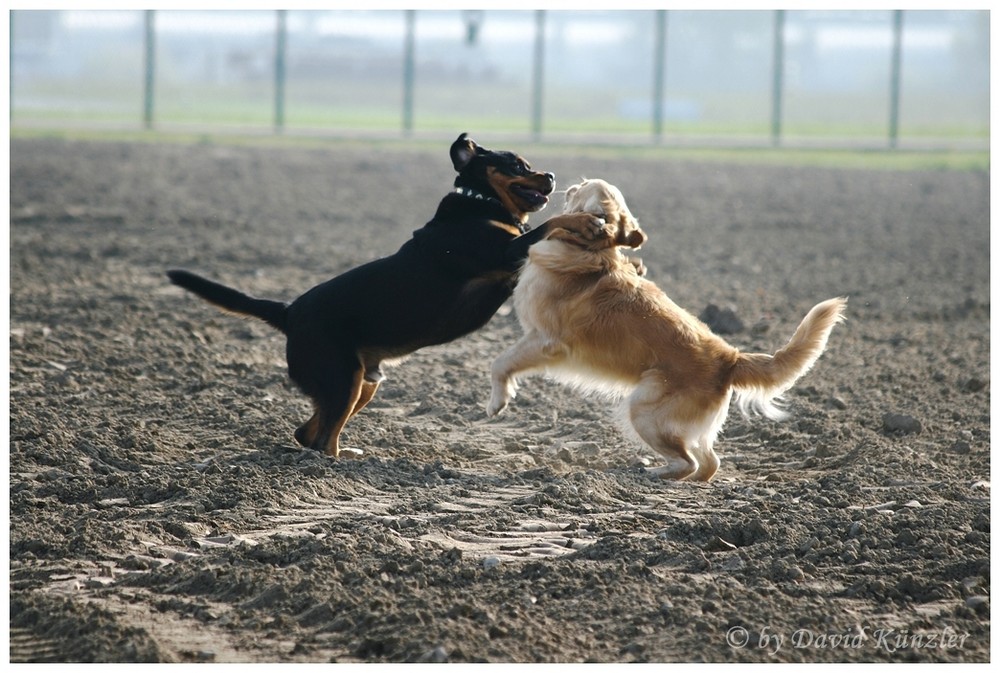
x: 446, y: 281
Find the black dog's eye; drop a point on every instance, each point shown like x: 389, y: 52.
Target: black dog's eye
x: 521, y: 168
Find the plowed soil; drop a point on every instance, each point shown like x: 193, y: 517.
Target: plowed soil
x: 160, y: 510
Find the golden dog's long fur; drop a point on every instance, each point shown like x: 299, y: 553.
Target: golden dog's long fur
x: 591, y: 319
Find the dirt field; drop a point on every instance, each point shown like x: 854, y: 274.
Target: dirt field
x: 161, y: 511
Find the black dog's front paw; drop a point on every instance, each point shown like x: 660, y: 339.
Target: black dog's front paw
x: 586, y: 225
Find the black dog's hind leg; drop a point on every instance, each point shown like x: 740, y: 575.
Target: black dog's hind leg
x: 337, y: 403
x: 368, y: 390
x: 334, y: 381
x: 307, y: 433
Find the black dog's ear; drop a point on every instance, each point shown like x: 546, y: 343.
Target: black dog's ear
x: 462, y: 151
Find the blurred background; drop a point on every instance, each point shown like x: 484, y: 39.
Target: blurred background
x: 829, y: 78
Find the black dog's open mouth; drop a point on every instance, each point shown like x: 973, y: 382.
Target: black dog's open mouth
x: 531, y: 196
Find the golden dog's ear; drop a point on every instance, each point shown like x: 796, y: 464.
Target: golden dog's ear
x: 635, y: 239
x: 570, y: 193
x: 630, y: 235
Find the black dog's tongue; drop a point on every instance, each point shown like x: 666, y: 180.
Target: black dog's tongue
x: 533, y: 196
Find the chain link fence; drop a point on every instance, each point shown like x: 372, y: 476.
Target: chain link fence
x: 876, y: 78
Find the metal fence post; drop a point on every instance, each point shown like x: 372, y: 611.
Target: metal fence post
x: 10, y: 84
x: 777, y: 86
x: 280, y: 46
x: 894, y: 76
x: 537, y: 89
x: 409, y: 47
x: 150, y: 68
x: 659, y: 73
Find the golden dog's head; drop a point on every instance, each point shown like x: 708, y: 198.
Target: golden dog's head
x: 603, y: 199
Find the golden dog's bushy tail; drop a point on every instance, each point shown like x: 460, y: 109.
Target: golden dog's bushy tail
x: 759, y: 378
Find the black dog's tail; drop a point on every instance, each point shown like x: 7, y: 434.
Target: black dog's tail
x: 273, y: 313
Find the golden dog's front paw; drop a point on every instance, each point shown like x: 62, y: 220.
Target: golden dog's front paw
x: 502, y: 392
x: 640, y: 268
x: 495, y: 407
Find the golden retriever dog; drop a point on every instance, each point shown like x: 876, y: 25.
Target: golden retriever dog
x: 592, y: 320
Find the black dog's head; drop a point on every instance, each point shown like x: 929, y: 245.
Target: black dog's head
x: 503, y: 176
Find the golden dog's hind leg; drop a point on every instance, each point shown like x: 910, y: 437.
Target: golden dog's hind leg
x: 654, y: 410
x: 680, y: 463
x: 708, y: 460
x: 708, y: 464
x: 532, y: 352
